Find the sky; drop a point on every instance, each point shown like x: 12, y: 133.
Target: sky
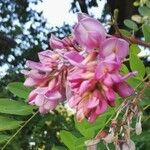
x: 57, y: 11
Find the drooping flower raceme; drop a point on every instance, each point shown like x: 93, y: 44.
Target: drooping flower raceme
x: 82, y: 69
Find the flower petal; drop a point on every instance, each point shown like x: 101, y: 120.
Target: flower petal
x: 123, y: 89
x: 114, y: 45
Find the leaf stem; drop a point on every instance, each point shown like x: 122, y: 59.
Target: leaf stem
x: 26, y: 122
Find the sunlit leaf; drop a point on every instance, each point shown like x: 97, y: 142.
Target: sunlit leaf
x: 124, y: 69
x: 68, y: 139
x: 137, y: 65
x: 134, y: 82
x: 80, y: 143
x: 146, y: 32
x: 14, y: 107
x: 125, y: 32
x: 4, y: 138
x: 18, y: 89
x: 8, y: 123
x: 134, y: 49
x: 88, y: 129
x: 147, y: 70
x: 137, y: 18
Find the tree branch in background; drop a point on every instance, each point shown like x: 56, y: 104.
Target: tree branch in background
x: 83, y: 6
x: 131, y: 39
x: 6, y: 42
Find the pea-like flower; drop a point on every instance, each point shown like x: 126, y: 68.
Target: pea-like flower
x: 82, y: 69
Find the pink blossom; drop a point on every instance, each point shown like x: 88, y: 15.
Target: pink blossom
x: 47, y: 98
x: 89, y: 32
x: 116, y: 46
x: 35, y: 78
x: 123, y: 89
x: 83, y: 69
x: 65, y: 43
x: 94, y: 86
x: 44, y: 98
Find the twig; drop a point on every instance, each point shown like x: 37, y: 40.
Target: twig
x: 120, y: 35
x: 132, y: 40
x: 119, y: 108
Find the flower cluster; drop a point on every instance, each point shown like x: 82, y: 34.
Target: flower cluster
x: 83, y: 69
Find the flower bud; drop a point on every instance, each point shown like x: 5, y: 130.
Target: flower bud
x: 129, y: 146
x: 117, y: 147
x: 92, y: 144
x: 125, y: 146
x: 89, y: 32
x: 138, y: 128
x: 132, y: 145
x: 109, y: 138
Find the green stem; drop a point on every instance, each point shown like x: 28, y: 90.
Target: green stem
x: 19, y: 130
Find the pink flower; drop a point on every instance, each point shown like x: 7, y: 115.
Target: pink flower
x: 74, y: 58
x: 123, y: 89
x: 46, y: 77
x: 65, y: 43
x: 35, y: 78
x: 47, y: 98
x: 114, y: 46
x: 89, y: 32
x: 93, y: 86
x: 83, y: 69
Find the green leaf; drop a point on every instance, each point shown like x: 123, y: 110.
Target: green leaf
x: 148, y: 4
x: 133, y: 81
x: 134, y: 49
x: 131, y: 24
x: 144, y: 11
x: 4, y: 138
x: 8, y: 123
x: 18, y: 89
x: 146, y: 32
x: 84, y: 128
x: 125, y: 32
x: 88, y: 129
x: 146, y: 96
x: 68, y: 139
x: 58, y: 148
x: 143, y: 137
x: 14, y: 107
x: 147, y: 70
x: 137, y: 65
x: 124, y: 69
x: 136, y: 3
x: 80, y: 143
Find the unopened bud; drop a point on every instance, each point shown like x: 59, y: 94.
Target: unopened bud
x: 138, y: 128
x: 132, y: 145
x: 129, y: 146
x: 117, y: 147
x: 125, y: 146
x: 92, y: 144
x: 109, y: 138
